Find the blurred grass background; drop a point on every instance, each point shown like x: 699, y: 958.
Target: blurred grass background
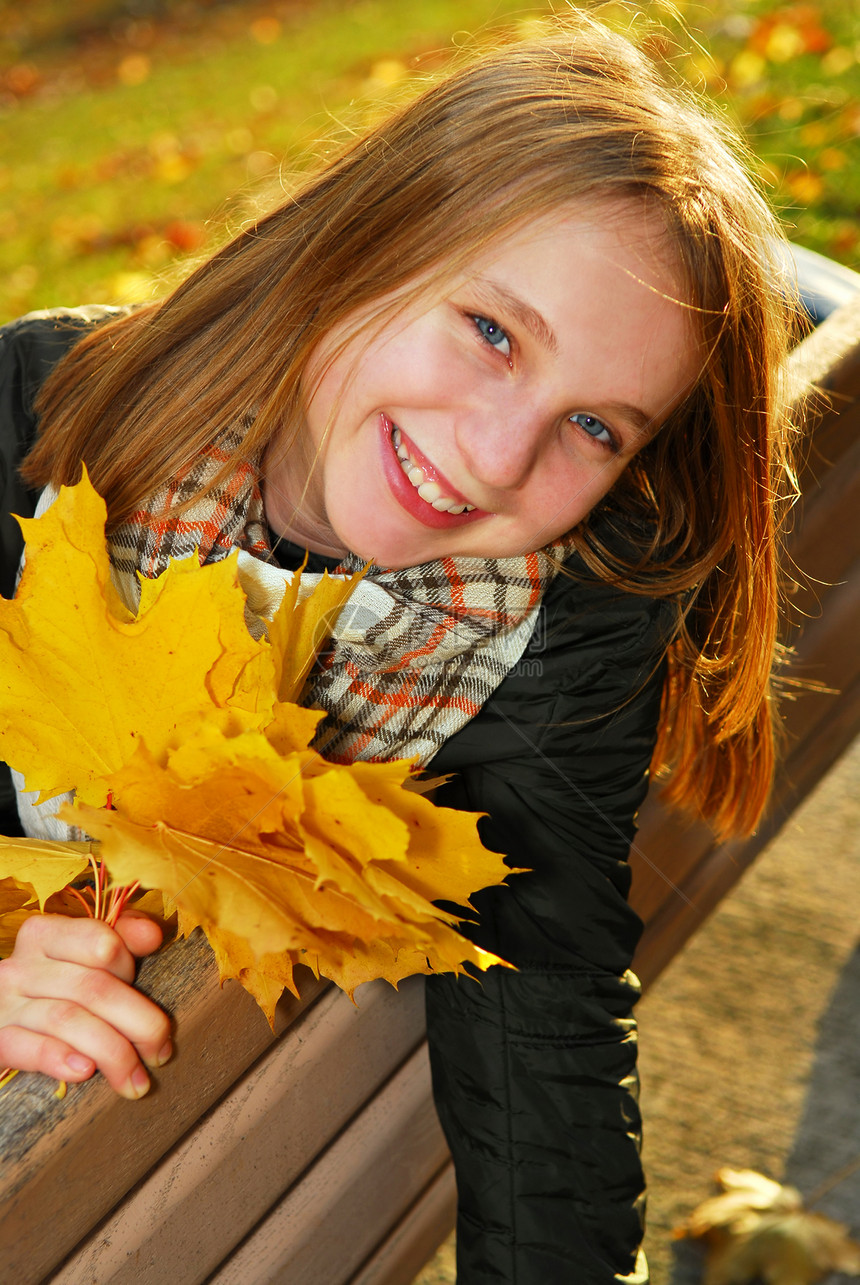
x: 137, y: 133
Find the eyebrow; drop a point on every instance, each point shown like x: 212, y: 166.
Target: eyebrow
x: 636, y: 418
x: 523, y: 312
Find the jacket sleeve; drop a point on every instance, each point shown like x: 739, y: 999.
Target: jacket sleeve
x: 534, y: 1070
x: 29, y: 349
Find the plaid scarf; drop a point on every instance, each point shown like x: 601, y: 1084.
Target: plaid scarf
x: 414, y: 654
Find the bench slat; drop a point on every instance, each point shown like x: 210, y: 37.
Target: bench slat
x: 325, y: 1228
x: 206, y: 1195
x: 416, y: 1237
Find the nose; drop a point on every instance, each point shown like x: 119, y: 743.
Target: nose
x: 501, y: 441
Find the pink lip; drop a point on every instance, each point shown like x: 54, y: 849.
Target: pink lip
x: 405, y: 493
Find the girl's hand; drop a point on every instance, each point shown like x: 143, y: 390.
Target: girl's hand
x: 68, y: 1005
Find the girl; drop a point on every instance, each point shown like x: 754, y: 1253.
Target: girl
x: 520, y: 347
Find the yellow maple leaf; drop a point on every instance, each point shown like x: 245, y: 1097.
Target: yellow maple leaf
x: 292, y: 728
x: 444, y: 861
x: 92, y: 682
x: 346, y: 961
x: 17, y: 903
x: 265, y: 978
x: 447, y: 951
x: 43, y: 865
x: 300, y: 626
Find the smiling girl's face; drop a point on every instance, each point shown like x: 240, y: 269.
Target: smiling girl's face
x: 490, y: 421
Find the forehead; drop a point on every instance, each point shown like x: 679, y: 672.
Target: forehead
x: 613, y: 236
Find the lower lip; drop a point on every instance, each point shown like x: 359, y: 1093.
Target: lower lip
x: 405, y: 493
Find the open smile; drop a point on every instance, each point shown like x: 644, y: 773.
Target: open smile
x: 419, y: 476
x: 417, y: 484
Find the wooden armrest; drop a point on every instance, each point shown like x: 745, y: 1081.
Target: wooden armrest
x: 119, y: 1189
x: 66, y: 1163
x: 680, y: 871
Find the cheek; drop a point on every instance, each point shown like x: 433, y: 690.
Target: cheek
x: 423, y: 364
x: 420, y: 365
x: 572, y: 494
x: 323, y: 404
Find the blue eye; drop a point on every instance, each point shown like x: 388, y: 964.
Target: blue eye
x: 594, y: 427
x: 493, y: 334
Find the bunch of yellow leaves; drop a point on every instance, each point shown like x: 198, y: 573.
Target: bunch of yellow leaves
x: 192, y: 771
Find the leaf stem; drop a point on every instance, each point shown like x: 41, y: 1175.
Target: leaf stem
x: 8, y: 1073
x: 119, y: 897
x: 108, y: 902
x: 82, y: 899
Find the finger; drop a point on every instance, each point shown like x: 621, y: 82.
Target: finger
x: 26, y: 1050
x: 86, y: 942
x: 134, y: 1017
x: 140, y: 934
x: 75, y: 989
x: 70, y: 1025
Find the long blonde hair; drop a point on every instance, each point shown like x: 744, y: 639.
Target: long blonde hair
x: 511, y: 136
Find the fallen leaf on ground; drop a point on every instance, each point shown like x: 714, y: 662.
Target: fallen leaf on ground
x: 757, y: 1229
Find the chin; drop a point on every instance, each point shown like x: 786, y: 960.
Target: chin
x: 393, y: 549
x: 399, y: 559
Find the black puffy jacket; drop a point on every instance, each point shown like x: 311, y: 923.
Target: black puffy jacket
x: 534, y: 1070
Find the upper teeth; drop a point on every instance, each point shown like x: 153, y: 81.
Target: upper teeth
x: 428, y: 491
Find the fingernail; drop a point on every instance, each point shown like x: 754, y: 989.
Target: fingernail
x: 164, y: 1054
x: 137, y: 1085
x: 78, y: 1063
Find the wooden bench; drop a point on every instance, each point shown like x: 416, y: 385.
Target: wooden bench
x: 314, y: 1157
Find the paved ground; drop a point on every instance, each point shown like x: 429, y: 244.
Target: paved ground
x: 751, y: 1039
